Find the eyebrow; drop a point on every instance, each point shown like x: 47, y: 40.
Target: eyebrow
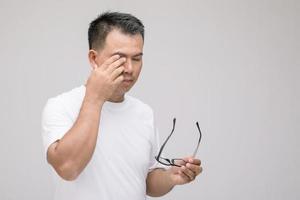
x: 124, y: 55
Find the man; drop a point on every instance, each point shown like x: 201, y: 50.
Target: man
x: 100, y: 141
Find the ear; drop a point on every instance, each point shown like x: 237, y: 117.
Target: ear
x: 93, y: 58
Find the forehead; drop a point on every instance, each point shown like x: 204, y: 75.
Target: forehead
x: 127, y: 44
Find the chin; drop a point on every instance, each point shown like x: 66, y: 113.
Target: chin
x: 123, y: 90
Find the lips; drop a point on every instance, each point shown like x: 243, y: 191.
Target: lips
x: 127, y: 80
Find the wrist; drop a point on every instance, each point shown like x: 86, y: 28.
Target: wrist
x: 93, y: 101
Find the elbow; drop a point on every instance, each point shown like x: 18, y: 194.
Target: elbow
x: 150, y: 190
x: 67, y: 171
x: 152, y: 194
x: 66, y: 168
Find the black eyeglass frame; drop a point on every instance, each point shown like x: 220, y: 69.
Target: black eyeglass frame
x: 172, y: 162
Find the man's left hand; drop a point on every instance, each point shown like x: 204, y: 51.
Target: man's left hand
x: 189, y: 170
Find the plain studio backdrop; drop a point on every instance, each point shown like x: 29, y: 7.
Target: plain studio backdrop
x: 231, y: 65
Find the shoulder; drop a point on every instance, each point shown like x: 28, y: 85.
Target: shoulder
x: 64, y: 101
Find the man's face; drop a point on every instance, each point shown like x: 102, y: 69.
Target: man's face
x: 128, y: 46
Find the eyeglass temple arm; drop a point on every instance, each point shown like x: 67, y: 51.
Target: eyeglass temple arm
x: 200, y: 136
x: 162, y: 147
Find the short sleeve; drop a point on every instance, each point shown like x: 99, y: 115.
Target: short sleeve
x: 155, y: 149
x: 55, y: 122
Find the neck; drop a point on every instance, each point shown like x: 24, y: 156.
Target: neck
x: 116, y: 98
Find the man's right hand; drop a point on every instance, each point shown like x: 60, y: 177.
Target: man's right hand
x: 73, y: 151
x: 105, y: 79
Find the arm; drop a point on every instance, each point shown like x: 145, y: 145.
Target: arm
x: 73, y: 151
x: 71, y: 154
x: 160, y: 181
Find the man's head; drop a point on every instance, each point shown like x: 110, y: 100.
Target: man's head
x: 117, y: 33
x: 106, y: 22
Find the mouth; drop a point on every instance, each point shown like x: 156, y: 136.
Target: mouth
x: 127, y: 81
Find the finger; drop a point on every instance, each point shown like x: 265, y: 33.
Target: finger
x: 195, y: 168
x: 193, y: 161
x: 119, y: 80
x: 109, y: 61
x: 117, y: 72
x: 185, y: 177
x: 115, y: 65
x: 188, y: 172
x: 180, y: 162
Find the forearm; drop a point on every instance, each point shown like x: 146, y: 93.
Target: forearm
x: 73, y: 152
x: 159, y: 182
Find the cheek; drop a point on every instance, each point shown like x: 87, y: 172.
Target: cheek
x: 138, y: 68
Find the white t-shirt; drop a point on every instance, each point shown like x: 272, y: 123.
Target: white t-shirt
x: 126, y: 145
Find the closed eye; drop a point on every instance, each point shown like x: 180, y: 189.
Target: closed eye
x: 137, y: 58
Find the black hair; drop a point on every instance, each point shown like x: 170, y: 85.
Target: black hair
x: 108, y: 21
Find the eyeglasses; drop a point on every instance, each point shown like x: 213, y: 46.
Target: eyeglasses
x: 172, y: 162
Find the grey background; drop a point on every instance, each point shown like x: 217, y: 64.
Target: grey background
x: 232, y: 65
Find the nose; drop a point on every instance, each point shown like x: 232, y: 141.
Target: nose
x: 128, y: 66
